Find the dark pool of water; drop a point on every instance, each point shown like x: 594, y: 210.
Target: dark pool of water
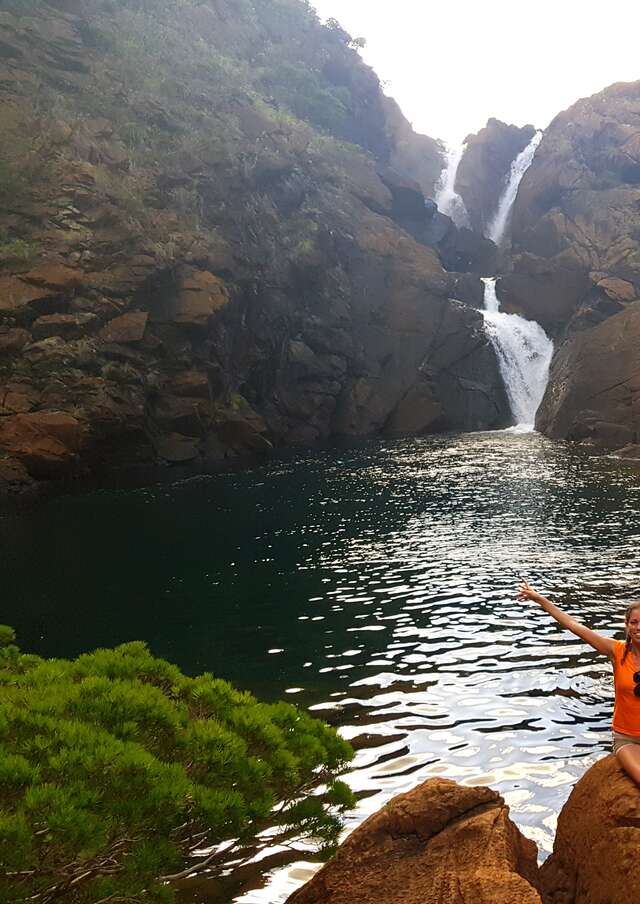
x: 377, y: 586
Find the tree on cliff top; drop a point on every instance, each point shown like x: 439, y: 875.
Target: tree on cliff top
x: 115, y: 769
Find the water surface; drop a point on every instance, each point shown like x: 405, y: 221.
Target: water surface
x: 375, y: 585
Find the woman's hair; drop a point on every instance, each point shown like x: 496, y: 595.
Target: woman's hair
x: 627, y: 615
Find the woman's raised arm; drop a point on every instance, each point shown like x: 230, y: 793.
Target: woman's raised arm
x: 597, y: 641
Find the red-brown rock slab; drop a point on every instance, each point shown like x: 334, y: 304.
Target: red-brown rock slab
x: 54, y: 276
x: 15, y: 294
x: 596, y: 854
x: 201, y: 295
x: 69, y: 326
x: 46, y: 442
x: 126, y: 328
x: 440, y: 843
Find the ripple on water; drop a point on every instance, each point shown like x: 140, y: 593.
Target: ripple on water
x: 376, y: 585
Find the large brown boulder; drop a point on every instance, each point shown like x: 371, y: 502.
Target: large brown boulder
x: 485, y: 166
x: 594, y: 386
x: 439, y: 842
x: 45, y: 442
x: 595, y: 854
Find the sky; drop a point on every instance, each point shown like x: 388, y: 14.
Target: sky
x: 451, y: 64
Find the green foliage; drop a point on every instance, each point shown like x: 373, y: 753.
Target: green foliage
x: 15, y: 251
x: 115, y: 767
x: 303, y: 91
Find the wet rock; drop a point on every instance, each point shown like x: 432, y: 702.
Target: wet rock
x: 464, y: 251
x: 438, y: 842
x: 176, y: 448
x: 467, y: 287
x: 595, y: 853
x: 416, y: 413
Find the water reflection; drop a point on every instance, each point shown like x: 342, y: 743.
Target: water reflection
x: 375, y: 585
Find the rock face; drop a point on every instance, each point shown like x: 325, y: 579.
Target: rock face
x: 417, y: 156
x: 577, y: 258
x: 594, y: 387
x: 438, y: 842
x: 193, y: 267
x: 595, y: 855
x: 485, y: 166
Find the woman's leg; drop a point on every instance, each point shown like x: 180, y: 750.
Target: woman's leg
x: 629, y: 758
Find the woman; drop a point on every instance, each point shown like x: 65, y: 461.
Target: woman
x: 625, y: 656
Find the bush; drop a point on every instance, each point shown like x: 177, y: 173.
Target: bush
x: 115, y: 768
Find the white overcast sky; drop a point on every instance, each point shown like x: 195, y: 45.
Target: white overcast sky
x: 451, y: 65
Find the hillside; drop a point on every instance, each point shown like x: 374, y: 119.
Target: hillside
x: 212, y: 243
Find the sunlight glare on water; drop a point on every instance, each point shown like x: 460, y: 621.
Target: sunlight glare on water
x: 377, y: 586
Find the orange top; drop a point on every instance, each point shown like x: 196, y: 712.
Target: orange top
x: 626, y: 713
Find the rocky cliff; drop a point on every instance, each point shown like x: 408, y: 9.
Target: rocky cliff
x: 576, y: 264
x: 443, y: 842
x: 210, y: 242
x: 485, y: 167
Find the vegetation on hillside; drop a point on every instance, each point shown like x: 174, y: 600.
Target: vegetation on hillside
x: 178, y: 104
x: 116, y: 768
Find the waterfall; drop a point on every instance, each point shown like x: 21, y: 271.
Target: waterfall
x: 498, y: 225
x: 524, y: 354
x: 448, y: 200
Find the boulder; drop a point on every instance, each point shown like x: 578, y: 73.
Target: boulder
x: 54, y: 276
x: 594, y: 384
x: 16, y: 294
x: 595, y: 854
x: 200, y: 296
x: 45, y: 442
x: 125, y: 329
x: 439, y: 842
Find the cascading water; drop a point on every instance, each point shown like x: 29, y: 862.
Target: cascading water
x: 524, y: 354
x: 498, y: 225
x: 448, y: 200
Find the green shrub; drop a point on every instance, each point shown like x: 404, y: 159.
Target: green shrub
x: 16, y: 251
x: 116, y: 767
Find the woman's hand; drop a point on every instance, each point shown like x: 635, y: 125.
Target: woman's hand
x: 528, y: 593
